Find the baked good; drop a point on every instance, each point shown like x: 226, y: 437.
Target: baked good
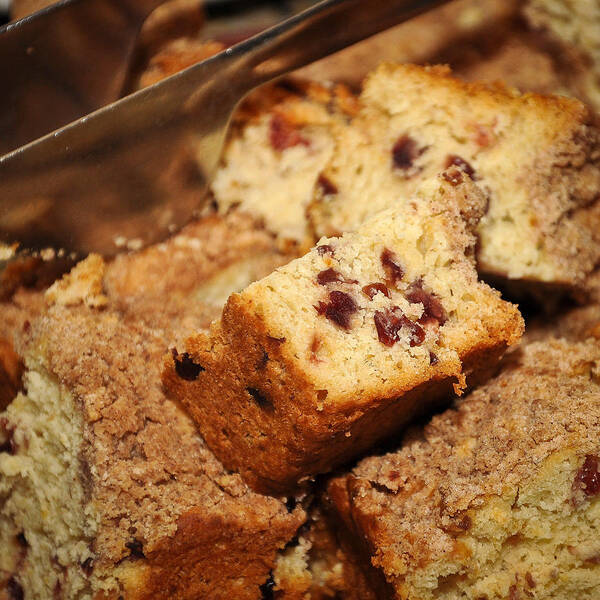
x: 106, y: 488
x: 574, y: 24
x: 281, y: 138
x: 206, y: 261
x: 536, y: 157
x: 340, y: 348
x: 174, y: 56
x: 497, y: 498
x: 315, y: 567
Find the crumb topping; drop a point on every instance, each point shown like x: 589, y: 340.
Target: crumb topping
x: 82, y: 285
x: 546, y: 398
x: 149, y: 463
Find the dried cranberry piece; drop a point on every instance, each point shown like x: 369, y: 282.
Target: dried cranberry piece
x: 405, y: 152
x: 136, y: 547
x: 260, y: 398
x: 462, y: 164
x: 433, y: 311
x: 331, y: 276
x: 588, y: 477
x: 9, y: 446
x: 185, y: 367
x: 433, y: 359
x: 14, y: 589
x: 327, y: 186
x: 465, y: 523
x: 325, y: 249
x: 513, y: 592
x: 417, y: 334
x: 530, y: 580
x: 371, y: 289
x: 389, y: 323
x: 339, y: 309
x: 328, y: 276
x: 391, y: 266
x: 388, y: 326
x: 282, y: 134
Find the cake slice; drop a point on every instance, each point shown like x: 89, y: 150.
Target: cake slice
x: 336, y: 350
x: 107, y: 490
x: 205, y: 262
x: 536, y: 157
x: 498, y: 498
x: 282, y: 137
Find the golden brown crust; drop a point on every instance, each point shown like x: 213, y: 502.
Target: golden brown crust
x: 277, y: 461
x: 354, y: 543
x: 212, y: 557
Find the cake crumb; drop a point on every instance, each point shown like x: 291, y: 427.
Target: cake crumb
x: 82, y: 285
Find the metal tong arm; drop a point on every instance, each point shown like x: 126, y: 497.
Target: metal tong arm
x: 100, y: 177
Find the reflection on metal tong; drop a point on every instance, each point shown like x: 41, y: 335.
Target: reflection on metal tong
x: 139, y: 167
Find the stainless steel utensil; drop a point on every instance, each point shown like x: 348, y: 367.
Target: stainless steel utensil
x: 64, y: 62
x: 137, y: 169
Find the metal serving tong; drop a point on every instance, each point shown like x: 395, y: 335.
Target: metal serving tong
x: 138, y: 168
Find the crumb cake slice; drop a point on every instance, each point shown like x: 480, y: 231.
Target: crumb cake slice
x: 107, y: 491
x: 282, y: 137
x: 205, y: 262
x: 332, y: 352
x: 498, y: 498
x: 536, y: 157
